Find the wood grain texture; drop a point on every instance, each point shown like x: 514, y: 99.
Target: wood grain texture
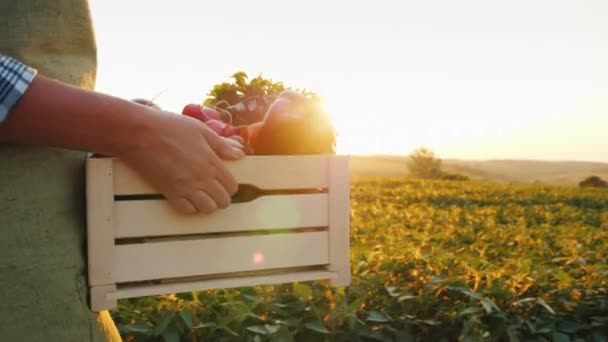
x: 182, y: 258
x: 339, y: 216
x: 101, y: 297
x: 265, y: 172
x: 185, y: 258
x: 100, y: 225
x: 146, y: 218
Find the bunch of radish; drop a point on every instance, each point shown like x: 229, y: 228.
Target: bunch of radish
x: 293, y: 124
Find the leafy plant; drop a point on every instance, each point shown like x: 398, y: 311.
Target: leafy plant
x: 431, y: 260
x: 246, y: 100
x: 593, y: 182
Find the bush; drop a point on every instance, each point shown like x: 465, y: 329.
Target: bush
x: 593, y: 182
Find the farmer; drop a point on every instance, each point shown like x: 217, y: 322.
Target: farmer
x: 49, y: 117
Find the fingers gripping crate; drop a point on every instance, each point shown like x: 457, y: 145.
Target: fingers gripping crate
x: 139, y: 246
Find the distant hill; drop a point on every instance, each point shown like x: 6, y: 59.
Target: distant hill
x: 514, y: 171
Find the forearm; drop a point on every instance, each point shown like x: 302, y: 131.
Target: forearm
x: 178, y: 155
x: 55, y: 114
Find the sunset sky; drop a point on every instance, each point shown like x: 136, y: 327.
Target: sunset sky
x: 469, y: 79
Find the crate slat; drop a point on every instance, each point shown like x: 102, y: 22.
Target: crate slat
x: 139, y: 246
x: 339, y: 220
x: 149, y: 261
x: 145, y: 218
x: 265, y: 172
x: 100, y: 226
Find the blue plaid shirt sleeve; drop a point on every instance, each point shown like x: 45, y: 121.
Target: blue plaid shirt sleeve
x: 15, y: 78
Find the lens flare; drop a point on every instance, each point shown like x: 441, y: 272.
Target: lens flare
x: 278, y: 208
x: 258, y: 258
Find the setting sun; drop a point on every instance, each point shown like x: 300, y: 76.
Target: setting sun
x: 346, y: 142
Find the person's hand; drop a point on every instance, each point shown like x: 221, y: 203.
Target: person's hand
x: 182, y: 158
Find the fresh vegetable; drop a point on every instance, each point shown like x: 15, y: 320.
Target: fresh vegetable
x: 200, y: 112
x: 293, y: 124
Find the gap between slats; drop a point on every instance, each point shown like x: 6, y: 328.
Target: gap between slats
x: 228, y: 281
x: 218, y: 276
x: 216, y: 235
x: 244, y: 194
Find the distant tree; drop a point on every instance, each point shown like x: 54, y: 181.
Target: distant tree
x: 246, y: 100
x: 593, y: 182
x: 422, y: 163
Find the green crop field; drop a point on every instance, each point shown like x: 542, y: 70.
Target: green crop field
x: 431, y: 261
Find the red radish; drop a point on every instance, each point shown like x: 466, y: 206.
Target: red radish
x: 195, y: 111
x: 200, y: 112
x: 211, y: 113
x: 292, y: 124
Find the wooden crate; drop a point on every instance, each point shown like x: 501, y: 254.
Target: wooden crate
x: 139, y: 246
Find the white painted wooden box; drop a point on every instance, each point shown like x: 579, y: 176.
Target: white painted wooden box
x: 139, y: 246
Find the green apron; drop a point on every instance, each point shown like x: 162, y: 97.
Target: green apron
x: 42, y: 204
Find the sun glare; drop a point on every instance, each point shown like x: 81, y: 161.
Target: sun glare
x: 339, y: 116
x: 465, y: 82
x: 359, y: 121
